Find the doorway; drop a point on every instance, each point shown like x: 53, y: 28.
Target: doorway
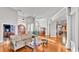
x: 7, y: 31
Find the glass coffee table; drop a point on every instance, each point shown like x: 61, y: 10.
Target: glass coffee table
x: 34, y: 43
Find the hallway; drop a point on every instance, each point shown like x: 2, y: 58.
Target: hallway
x: 24, y: 24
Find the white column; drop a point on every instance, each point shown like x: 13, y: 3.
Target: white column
x: 76, y: 29
x: 75, y: 22
x: 72, y: 29
x: 68, y: 28
x: 16, y: 29
x: 47, y: 28
x: 1, y: 33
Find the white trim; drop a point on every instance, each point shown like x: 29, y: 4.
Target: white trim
x: 58, y: 13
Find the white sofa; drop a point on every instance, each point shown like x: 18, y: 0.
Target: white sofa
x: 19, y: 41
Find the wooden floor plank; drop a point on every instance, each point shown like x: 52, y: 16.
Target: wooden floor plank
x: 53, y: 46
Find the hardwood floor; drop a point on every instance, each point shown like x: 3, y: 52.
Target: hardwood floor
x: 54, y: 45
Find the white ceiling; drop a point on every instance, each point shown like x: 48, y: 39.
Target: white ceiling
x: 41, y: 12
x: 61, y: 18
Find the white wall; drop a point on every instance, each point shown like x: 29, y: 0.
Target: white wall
x: 53, y: 29
x: 49, y: 25
x: 42, y: 23
x: 7, y: 16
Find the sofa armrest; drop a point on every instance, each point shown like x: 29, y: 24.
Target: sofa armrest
x: 14, y: 43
